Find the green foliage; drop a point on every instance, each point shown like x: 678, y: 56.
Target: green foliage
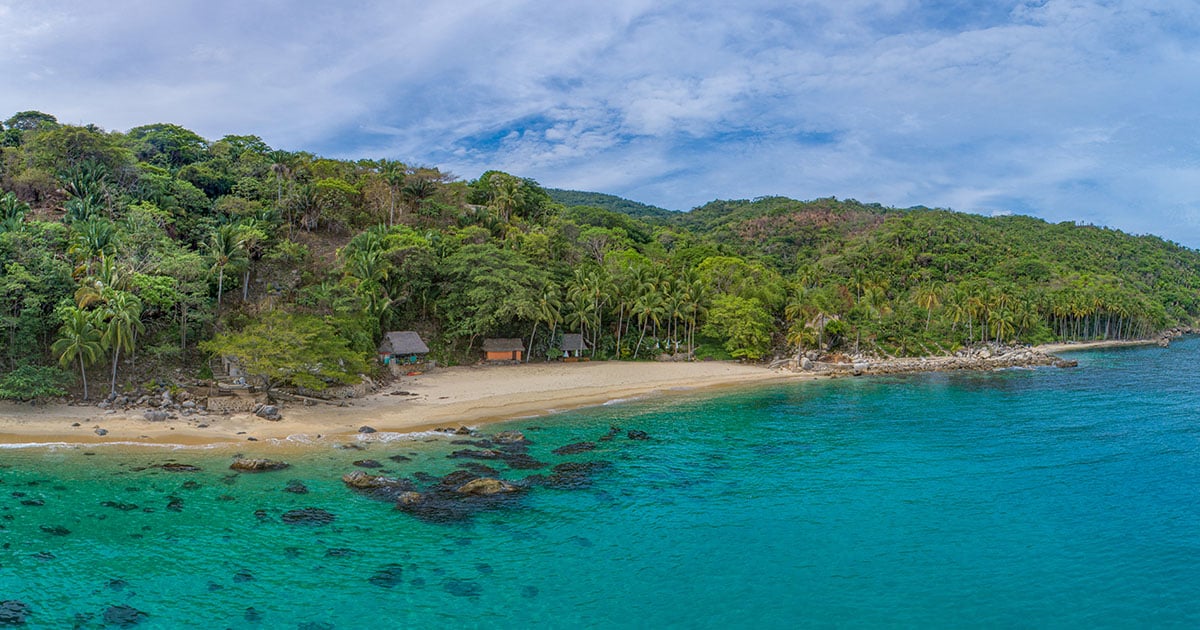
x: 33, y: 382
x: 284, y: 348
x: 744, y: 324
x: 166, y: 145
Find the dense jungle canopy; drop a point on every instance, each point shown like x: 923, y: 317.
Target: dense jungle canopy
x: 144, y: 254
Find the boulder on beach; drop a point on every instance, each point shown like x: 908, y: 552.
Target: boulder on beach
x: 268, y: 412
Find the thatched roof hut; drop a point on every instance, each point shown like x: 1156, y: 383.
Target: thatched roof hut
x: 404, y: 345
x: 503, y: 349
x: 573, y: 344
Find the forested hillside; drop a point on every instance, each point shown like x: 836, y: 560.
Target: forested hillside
x: 143, y: 254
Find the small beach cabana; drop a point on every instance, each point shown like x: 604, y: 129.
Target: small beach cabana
x: 573, y: 345
x: 503, y: 349
x: 403, y: 346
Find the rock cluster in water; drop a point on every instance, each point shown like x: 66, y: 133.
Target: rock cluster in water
x: 477, y: 486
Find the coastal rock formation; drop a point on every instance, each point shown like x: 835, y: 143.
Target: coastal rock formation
x: 257, y: 464
x: 486, y: 486
x: 985, y: 357
x: 363, y: 481
x: 510, y: 437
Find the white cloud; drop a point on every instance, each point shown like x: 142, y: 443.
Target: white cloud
x: 1064, y: 108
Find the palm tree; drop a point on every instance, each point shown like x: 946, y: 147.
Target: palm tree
x: 79, y: 340
x: 393, y: 174
x: 928, y: 298
x: 225, y: 246
x: 549, y: 311
x: 124, y: 312
x: 415, y: 191
x: 647, y: 307
x: 281, y: 170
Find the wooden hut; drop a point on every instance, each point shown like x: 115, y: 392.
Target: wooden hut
x: 503, y: 349
x: 573, y: 345
x: 402, y: 347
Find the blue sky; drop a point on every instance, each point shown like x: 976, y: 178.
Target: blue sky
x: 1070, y: 110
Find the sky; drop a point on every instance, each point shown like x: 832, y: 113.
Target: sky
x: 1068, y: 110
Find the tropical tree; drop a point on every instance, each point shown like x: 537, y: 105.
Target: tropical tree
x: 79, y: 340
x: 122, y: 312
x: 225, y: 248
x: 928, y: 298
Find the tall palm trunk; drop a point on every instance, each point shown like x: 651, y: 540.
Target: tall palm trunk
x: 116, y: 357
x: 83, y: 374
x: 531, y: 334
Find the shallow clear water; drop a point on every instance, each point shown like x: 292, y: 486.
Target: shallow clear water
x: 1028, y: 498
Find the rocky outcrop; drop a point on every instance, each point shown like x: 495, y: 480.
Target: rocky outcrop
x: 985, y: 357
x: 257, y: 464
x: 510, y: 437
x: 486, y: 486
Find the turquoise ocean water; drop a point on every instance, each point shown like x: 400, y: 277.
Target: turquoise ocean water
x: 1022, y: 498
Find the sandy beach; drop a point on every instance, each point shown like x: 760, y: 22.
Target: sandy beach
x: 446, y: 397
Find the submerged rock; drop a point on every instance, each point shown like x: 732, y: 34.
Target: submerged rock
x: 388, y: 576
x: 295, y: 486
x: 13, y: 612
x: 462, y: 588
x: 55, y: 530
x: 634, y: 434
x: 473, y: 454
x: 572, y: 449
x: 521, y: 461
x: 257, y: 464
x: 308, y: 516
x: 368, y: 463
x: 124, y: 616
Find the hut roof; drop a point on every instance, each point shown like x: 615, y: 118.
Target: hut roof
x: 503, y: 345
x: 403, y: 342
x: 574, y: 341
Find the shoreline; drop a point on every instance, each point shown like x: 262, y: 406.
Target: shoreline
x: 452, y: 397
x: 413, y: 407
